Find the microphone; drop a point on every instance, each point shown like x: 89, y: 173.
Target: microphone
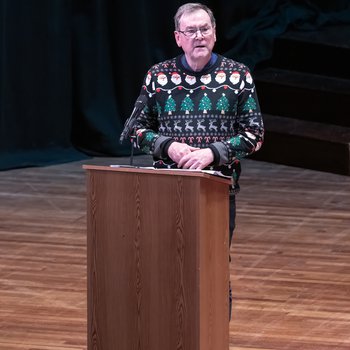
x: 130, y: 122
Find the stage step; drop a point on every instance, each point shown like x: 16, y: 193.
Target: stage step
x: 305, y: 144
x: 324, y: 52
x: 304, y: 96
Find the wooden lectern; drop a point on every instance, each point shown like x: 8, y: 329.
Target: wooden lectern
x: 158, y: 266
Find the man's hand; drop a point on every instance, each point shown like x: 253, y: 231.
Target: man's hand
x: 178, y: 150
x: 197, y: 159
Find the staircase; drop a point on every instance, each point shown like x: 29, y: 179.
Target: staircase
x: 304, y: 93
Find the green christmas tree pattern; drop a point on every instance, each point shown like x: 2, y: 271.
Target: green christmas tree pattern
x: 223, y: 104
x: 170, y: 105
x: 187, y: 105
x: 150, y: 136
x: 205, y: 104
x: 235, y: 141
x: 250, y: 104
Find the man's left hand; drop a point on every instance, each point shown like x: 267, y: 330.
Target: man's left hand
x: 197, y: 159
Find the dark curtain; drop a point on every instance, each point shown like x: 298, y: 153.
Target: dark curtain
x: 113, y: 45
x: 71, y: 69
x: 36, y: 90
x: 247, y: 30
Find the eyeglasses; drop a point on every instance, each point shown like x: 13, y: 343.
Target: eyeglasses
x: 192, y: 32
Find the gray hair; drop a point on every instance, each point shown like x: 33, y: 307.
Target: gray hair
x: 192, y: 7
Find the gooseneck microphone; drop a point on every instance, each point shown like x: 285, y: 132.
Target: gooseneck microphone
x: 130, y: 122
x: 129, y: 125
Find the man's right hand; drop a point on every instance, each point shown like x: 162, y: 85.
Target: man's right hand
x: 177, y: 150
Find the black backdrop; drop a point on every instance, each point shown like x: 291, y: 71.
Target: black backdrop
x: 71, y: 69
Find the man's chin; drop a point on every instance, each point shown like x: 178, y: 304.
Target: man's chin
x: 201, y: 49
x: 201, y: 52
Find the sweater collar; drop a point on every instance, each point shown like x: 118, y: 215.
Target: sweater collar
x: 211, y: 62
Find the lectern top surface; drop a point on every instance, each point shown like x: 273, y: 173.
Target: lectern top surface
x: 213, y: 175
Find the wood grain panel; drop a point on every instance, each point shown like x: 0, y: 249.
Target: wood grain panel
x: 146, y: 265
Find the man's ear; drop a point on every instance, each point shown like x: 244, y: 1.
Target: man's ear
x: 177, y: 38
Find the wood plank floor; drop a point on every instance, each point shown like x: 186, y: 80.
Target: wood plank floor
x: 290, y: 265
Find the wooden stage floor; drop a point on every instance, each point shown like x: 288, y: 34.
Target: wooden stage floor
x: 290, y: 266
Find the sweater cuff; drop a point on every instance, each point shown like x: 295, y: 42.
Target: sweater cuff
x: 165, y: 146
x: 161, y: 146
x: 216, y: 154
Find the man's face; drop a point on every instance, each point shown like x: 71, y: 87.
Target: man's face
x: 199, y: 45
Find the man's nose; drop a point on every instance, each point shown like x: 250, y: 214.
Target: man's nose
x: 200, y: 32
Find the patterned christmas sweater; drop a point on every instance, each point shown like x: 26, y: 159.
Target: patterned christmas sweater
x: 216, y: 108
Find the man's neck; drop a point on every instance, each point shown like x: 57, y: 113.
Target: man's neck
x: 199, y: 66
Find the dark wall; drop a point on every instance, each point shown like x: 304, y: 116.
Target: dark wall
x: 71, y: 70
